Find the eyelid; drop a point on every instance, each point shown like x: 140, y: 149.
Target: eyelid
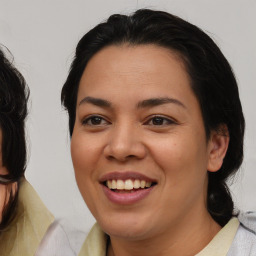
x: 168, y: 119
x: 85, y: 120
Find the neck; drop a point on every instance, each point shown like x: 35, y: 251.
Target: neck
x: 185, y: 239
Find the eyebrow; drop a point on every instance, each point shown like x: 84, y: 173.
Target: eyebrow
x: 96, y: 101
x: 159, y: 101
x: 142, y: 104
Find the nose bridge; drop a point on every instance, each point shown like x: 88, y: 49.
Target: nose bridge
x: 125, y: 142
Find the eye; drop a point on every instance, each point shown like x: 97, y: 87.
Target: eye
x: 95, y: 121
x: 159, y: 121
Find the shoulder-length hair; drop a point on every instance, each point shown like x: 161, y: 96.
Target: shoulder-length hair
x: 14, y: 95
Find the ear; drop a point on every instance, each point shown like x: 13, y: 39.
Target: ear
x: 218, y: 146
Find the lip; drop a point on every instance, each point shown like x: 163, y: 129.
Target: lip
x: 129, y: 197
x: 125, y: 176
x: 126, y: 198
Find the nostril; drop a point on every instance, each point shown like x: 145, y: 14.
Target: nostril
x: 123, y: 147
x: 130, y: 156
x: 120, y: 158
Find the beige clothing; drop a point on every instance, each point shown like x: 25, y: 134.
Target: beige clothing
x: 221, y: 243
x: 24, y: 234
x: 96, y: 242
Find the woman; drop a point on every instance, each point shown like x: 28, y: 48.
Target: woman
x: 23, y: 217
x: 156, y: 128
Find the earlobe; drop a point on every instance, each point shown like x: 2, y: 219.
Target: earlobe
x: 218, y: 146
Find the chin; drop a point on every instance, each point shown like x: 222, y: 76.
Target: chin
x: 125, y: 227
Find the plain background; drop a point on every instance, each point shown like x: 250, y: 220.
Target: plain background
x: 42, y: 36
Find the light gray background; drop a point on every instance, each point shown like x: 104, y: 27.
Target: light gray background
x: 42, y: 36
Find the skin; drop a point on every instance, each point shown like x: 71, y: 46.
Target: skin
x: 5, y: 190
x: 3, y: 171
x: 171, y: 149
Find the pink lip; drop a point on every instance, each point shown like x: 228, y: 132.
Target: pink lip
x: 126, y: 198
x: 124, y: 176
x: 129, y: 197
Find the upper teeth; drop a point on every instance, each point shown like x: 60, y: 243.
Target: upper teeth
x: 128, y: 184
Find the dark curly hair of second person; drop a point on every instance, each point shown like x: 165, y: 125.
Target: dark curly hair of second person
x: 14, y: 95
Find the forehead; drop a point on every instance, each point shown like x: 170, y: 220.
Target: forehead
x: 151, y: 66
x: 129, y: 52
x: 123, y: 58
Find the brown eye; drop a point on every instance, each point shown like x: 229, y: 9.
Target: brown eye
x: 94, y: 121
x: 159, y: 120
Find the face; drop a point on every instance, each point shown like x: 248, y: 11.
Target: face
x: 139, y: 147
x: 3, y: 171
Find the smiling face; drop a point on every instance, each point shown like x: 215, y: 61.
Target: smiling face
x: 139, y: 147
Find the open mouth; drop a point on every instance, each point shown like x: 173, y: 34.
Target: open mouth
x: 127, y: 188
x: 128, y: 185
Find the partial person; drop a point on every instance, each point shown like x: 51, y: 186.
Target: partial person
x: 157, y: 129
x: 24, y: 219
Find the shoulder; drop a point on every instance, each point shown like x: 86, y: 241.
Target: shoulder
x: 61, y: 240
x: 244, y: 242
x: 95, y: 243
x: 24, y: 233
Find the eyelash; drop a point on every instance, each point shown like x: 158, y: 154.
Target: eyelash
x: 89, y: 120
x: 150, y: 121
x: 163, y: 121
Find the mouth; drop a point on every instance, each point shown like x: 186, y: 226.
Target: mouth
x: 126, y: 188
x: 128, y: 185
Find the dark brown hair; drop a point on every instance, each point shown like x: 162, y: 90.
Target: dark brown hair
x: 14, y: 95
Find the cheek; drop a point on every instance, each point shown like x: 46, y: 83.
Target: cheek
x: 183, y: 159
x: 81, y: 165
x: 185, y: 175
x: 3, y: 171
x: 2, y: 199
x: 85, y: 156
x: 81, y: 156
x: 83, y: 151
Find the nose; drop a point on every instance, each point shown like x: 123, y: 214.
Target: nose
x: 125, y: 142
